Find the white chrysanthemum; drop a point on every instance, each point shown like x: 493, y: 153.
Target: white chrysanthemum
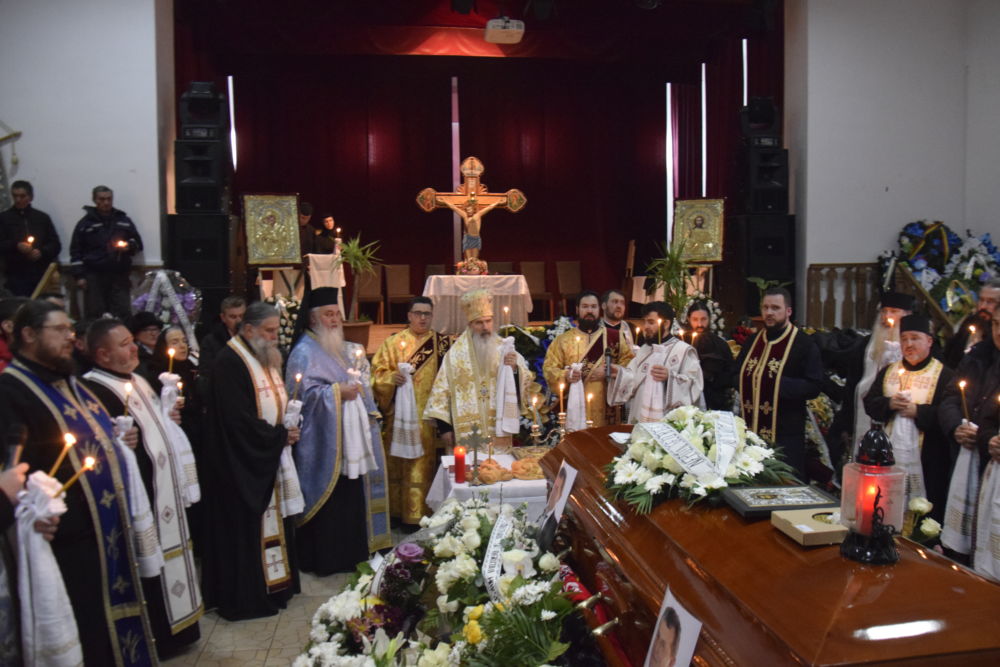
x: 318, y: 633
x: 655, y: 484
x: 547, y: 614
x: 341, y: 608
x: 627, y: 473
x: 529, y: 594
x: 469, y: 522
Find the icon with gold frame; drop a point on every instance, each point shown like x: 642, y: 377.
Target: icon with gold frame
x: 272, y: 228
x: 698, y: 224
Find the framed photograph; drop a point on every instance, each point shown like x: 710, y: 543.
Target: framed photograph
x: 698, y: 225
x: 757, y: 502
x: 548, y: 521
x: 674, y: 636
x: 272, y: 227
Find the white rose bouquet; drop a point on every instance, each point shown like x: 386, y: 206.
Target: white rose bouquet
x: 646, y: 474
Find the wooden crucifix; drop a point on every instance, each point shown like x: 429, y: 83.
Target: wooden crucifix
x: 471, y: 203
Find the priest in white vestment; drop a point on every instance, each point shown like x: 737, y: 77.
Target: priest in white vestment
x: 665, y: 373
x: 473, y: 398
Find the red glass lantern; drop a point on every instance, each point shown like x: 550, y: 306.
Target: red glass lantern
x: 873, y: 501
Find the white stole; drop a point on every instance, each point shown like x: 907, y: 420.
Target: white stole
x: 987, y: 555
x: 963, y: 494
x: 48, y: 628
x: 907, y: 440
x: 359, y: 457
x: 507, y: 410
x: 173, y: 561
x: 406, y: 443
x: 177, y: 440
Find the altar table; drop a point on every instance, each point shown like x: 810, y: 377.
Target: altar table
x: 510, y: 291
x: 514, y: 492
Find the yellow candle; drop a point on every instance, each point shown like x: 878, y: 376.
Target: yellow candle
x: 902, y: 379
x: 506, y: 311
x: 659, y: 330
x: 965, y: 406
x: 88, y: 464
x: 298, y: 383
x: 562, y: 386
x: 128, y: 395
x: 534, y: 408
x: 170, y: 365
x: 70, y: 441
x: 590, y: 397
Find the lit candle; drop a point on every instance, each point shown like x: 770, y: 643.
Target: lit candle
x: 180, y: 389
x: 459, y: 465
x: 576, y: 348
x: 590, y: 397
x: 892, y: 323
x: 534, y: 409
x: 70, y: 441
x: 506, y: 312
x: 972, y: 329
x: 659, y: 330
x: 357, y: 358
x: 128, y: 395
x: 638, y: 332
x: 965, y: 406
x: 31, y: 239
x: 866, y: 510
x: 298, y: 383
x: 170, y: 365
x: 88, y: 464
x: 562, y: 386
x: 338, y: 231
x: 694, y: 337
x: 122, y: 244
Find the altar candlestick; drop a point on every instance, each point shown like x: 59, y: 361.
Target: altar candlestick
x: 460, y: 465
x: 659, y: 330
x: 965, y: 406
x: 31, y: 239
x: 88, y: 464
x: 534, y: 408
x: 70, y: 441
x: 562, y: 386
x: 170, y: 364
x: 590, y: 397
x: 298, y: 383
x: 128, y: 395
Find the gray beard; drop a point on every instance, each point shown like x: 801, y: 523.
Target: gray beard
x: 486, y: 349
x: 331, y: 340
x: 266, y: 354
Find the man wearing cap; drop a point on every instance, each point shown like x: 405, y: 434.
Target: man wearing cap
x: 339, y: 456
x: 905, y: 397
x: 411, y: 470
x: 463, y: 398
x: 145, y: 328
x: 881, y: 350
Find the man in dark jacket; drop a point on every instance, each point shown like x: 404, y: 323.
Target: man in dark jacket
x: 101, y: 251
x: 28, y: 241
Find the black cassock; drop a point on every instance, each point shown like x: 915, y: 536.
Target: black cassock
x: 167, y: 643
x: 242, y: 455
x: 935, y: 454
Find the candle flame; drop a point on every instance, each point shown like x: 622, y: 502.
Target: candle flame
x: 122, y: 244
x: 972, y: 329
x: 961, y: 384
x: 338, y: 231
x: 590, y: 397
x: 89, y: 462
x: 460, y: 451
x: 505, y: 310
x: 534, y: 401
x: 70, y: 439
x: 562, y: 385
x: 298, y: 377
x: 31, y: 239
x: 901, y: 371
x: 128, y: 387
x: 171, y: 352
x: 358, y: 352
x: 892, y: 322
x: 180, y: 386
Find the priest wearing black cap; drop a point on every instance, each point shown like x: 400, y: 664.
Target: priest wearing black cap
x: 341, y: 463
x: 905, y: 397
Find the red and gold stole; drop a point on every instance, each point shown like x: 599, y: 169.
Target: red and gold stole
x: 760, y: 380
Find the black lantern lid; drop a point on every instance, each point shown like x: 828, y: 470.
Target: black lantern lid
x: 875, y: 448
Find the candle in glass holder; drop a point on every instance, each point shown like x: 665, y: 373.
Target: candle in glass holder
x: 70, y: 441
x: 459, y: 465
x: 170, y: 364
x: 88, y: 464
x: 128, y: 395
x: 965, y: 406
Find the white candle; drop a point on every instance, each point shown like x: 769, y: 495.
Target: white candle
x: 128, y: 395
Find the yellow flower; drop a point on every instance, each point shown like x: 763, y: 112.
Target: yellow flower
x: 370, y: 601
x: 475, y: 613
x: 472, y: 632
x: 499, y: 606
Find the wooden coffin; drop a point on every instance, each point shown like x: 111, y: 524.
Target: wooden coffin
x: 763, y: 599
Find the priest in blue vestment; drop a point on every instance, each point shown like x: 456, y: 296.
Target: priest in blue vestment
x: 339, y: 457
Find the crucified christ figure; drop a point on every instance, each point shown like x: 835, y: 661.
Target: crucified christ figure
x: 472, y: 215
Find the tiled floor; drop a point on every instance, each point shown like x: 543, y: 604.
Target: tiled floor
x: 264, y: 642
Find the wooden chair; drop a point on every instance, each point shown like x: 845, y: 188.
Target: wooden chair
x: 534, y: 275
x: 397, y: 285
x: 369, y: 286
x: 570, y: 282
x: 502, y: 268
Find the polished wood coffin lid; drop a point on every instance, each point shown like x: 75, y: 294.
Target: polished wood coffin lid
x: 763, y: 599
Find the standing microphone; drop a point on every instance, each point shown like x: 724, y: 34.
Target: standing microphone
x: 17, y: 434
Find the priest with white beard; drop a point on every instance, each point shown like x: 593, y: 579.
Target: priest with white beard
x: 168, y: 484
x: 339, y: 456
x: 464, y: 397
x: 665, y: 373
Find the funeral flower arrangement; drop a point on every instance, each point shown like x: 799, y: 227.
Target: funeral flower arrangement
x: 730, y: 455
x: 288, y: 312
x: 169, y: 296
x: 715, y: 319
x: 470, y: 588
x: 472, y: 267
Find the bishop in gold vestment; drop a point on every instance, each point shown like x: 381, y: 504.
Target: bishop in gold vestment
x: 586, y: 343
x: 424, y: 349
x: 463, y: 398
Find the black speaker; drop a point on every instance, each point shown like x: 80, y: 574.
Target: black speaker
x: 202, y: 169
x: 198, y: 247
x: 765, y: 186
x: 201, y: 106
x: 768, y: 250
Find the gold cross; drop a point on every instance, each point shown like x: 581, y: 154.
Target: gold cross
x: 107, y: 499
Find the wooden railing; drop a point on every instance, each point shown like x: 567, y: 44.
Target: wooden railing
x: 841, y: 295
